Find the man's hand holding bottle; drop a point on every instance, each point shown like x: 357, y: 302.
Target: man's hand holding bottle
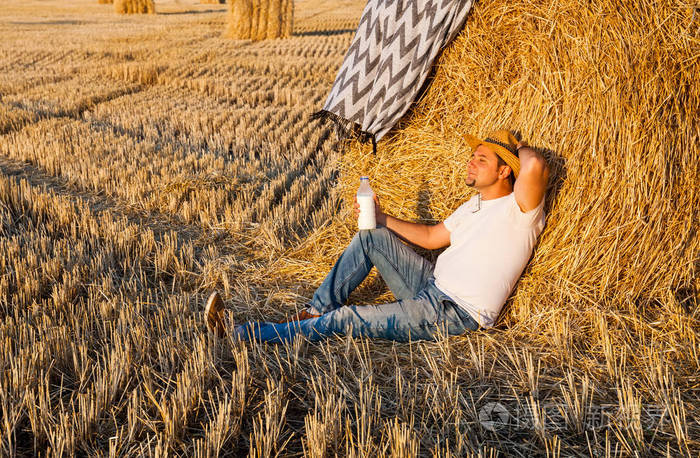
x: 379, y: 214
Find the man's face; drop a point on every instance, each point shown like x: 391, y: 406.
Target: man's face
x: 483, y: 168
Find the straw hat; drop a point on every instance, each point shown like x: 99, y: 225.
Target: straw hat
x: 503, y: 143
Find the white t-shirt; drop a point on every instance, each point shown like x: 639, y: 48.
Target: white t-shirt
x: 488, y: 251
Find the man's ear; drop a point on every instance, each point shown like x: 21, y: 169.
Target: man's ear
x: 504, y: 172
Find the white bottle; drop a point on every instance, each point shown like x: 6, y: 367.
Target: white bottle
x: 365, y: 197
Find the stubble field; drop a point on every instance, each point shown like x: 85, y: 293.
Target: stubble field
x: 145, y: 161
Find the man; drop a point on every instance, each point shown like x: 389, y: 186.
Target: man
x: 490, y: 239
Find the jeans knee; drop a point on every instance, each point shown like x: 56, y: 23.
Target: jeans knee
x: 372, y: 236
x: 338, y: 320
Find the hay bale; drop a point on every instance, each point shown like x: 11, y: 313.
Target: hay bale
x: 259, y: 19
x: 239, y: 19
x: 613, y: 106
x: 134, y: 6
x: 105, y: 2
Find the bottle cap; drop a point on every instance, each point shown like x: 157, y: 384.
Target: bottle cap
x: 364, y: 178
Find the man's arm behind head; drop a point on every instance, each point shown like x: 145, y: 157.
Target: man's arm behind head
x: 531, y: 183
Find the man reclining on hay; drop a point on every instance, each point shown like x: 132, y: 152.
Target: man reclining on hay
x: 490, y: 239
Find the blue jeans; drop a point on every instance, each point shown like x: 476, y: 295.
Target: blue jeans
x: 420, y: 310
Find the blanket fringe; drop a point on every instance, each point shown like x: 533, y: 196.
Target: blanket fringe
x: 346, y: 129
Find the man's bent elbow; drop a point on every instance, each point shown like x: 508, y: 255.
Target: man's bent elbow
x: 530, y: 157
x: 537, y: 167
x: 438, y: 237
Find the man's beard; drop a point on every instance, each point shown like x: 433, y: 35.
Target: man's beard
x: 471, y: 183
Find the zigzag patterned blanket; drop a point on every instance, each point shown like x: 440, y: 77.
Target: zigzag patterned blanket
x: 388, y: 61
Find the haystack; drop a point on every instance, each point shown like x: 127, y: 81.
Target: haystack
x: 105, y: 2
x: 239, y: 19
x: 134, y: 6
x: 608, y: 92
x: 260, y: 19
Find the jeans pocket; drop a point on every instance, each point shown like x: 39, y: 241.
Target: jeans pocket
x: 467, y: 320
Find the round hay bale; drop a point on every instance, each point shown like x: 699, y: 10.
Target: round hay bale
x: 240, y: 19
x: 608, y: 92
x: 134, y: 6
x: 259, y: 19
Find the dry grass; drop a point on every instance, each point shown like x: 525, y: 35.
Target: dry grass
x: 143, y: 165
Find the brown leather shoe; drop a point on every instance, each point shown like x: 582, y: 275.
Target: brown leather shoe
x: 302, y: 315
x: 214, y: 315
